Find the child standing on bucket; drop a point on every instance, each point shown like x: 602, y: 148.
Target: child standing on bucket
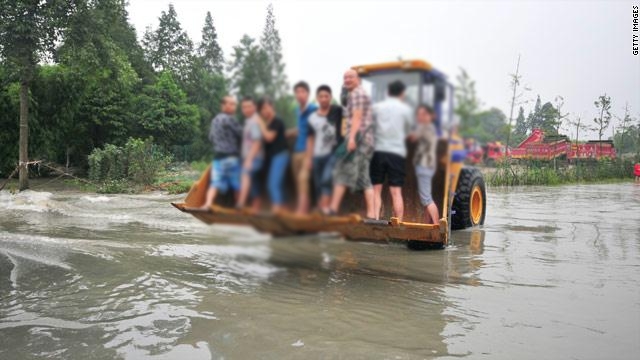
x: 424, y: 160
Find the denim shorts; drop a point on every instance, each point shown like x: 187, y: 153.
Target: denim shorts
x: 225, y: 174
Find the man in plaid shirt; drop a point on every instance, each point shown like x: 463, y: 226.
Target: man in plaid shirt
x: 354, y: 155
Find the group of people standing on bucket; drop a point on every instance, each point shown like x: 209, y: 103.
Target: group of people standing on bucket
x: 356, y: 146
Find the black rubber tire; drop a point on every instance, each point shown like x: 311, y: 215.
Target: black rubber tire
x: 461, y: 207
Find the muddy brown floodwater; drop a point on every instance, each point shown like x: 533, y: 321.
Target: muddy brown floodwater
x: 554, y: 274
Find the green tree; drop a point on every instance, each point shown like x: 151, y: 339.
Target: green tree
x: 9, y: 112
x: 28, y: 33
x: 205, y: 90
x: 58, y: 135
x: 548, y: 116
x: 276, y: 81
x: 467, y: 102
x: 489, y: 125
x: 165, y: 114
x: 627, y: 141
x: 534, y: 119
x: 169, y: 47
x: 98, y: 53
x: 110, y: 19
x: 603, y: 119
x: 520, y: 130
x: 623, y: 139
x: 209, y: 50
x: 560, y: 116
x: 246, y: 68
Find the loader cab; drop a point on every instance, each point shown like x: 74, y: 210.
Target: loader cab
x: 425, y: 85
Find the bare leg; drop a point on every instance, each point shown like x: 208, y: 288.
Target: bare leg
x: 324, y: 203
x: 433, y: 212
x: 368, y: 199
x: 398, y: 203
x: 427, y: 216
x: 245, y: 185
x: 211, y: 196
x: 377, y: 200
x: 303, y: 203
x: 336, y: 199
x: 256, y: 204
x: 301, y: 176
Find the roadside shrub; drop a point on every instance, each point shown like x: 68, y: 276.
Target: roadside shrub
x: 114, y: 187
x: 180, y: 187
x: 138, y: 161
x: 107, y: 163
x: 200, y: 166
x: 145, y: 161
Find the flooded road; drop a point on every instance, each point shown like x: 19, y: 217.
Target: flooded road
x: 554, y: 273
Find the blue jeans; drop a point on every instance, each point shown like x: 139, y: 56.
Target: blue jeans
x: 225, y: 174
x: 256, y: 166
x: 323, y: 174
x: 275, y: 180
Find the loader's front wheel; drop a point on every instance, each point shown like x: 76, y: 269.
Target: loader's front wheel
x: 470, y: 202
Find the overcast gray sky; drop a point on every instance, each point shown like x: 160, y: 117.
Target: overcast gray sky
x: 575, y: 49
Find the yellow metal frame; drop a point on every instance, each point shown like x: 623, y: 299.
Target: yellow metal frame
x: 407, y: 65
x: 352, y: 226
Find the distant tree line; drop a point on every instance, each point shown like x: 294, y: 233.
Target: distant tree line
x: 486, y: 125
x: 74, y: 77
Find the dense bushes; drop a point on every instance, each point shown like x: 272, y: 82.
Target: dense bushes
x: 544, y: 173
x: 138, y: 162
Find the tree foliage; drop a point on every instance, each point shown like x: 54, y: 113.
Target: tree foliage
x: 169, y: 47
x: 209, y: 51
x: 164, y: 113
x: 276, y: 80
x: 29, y: 30
x: 467, y: 102
x: 482, y: 125
x: 520, y: 130
x: 603, y: 118
x: 247, y: 68
x: 627, y: 136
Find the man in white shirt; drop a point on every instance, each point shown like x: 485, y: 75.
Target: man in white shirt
x: 393, y: 120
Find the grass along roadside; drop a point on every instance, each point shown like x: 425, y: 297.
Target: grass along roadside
x: 544, y: 173
x: 176, y: 179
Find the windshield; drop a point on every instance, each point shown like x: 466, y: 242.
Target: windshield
x: 376, y: 86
